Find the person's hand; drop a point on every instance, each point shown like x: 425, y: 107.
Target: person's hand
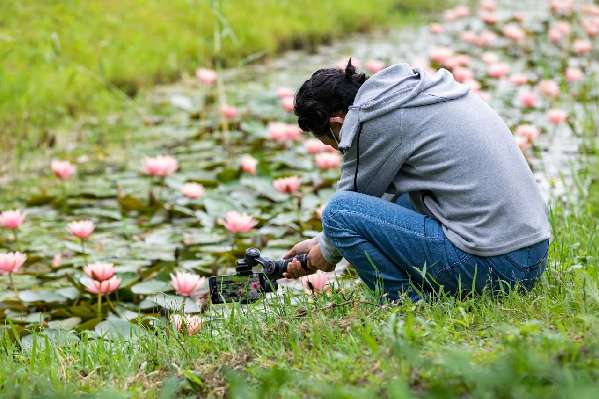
x: 315, y: 259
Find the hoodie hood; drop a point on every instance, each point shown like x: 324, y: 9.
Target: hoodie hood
x: 395, y: 87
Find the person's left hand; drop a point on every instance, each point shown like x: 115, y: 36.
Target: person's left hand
x: 315, y: 262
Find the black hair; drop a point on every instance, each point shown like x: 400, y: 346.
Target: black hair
x: 328, y: 91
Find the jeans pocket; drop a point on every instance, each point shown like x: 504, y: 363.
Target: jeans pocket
x: 519, y: 267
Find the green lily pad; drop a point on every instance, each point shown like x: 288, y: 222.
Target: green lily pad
x: 54, y: 337
x: 150, y: 287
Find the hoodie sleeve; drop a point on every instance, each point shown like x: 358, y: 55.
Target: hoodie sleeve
x: 381, y: 155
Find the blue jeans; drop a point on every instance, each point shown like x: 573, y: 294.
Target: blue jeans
x: 400, y: 251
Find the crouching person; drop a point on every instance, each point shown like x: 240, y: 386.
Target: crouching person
x: 434, y: 192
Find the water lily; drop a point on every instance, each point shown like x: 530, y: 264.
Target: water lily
x: 11, y: 262
x: 528, y: 131
x: 206, y: 76
x: 328, y: 160
x: 187, y: 284
x: 373, y: 66
x: 574, y: 75
x: 160, y: 166
x: 81, y: 229
x: 237, y: 222
x: 549, y: 88
x: 229, y: 112
x: 288, y: 185
x: 100, y: 271
x: 316, y: 283
x: 187, y: 323
x: 288, y: 103
x: 12, y: 220
x: 557, y: 116
x: 247, y: 164
x: 64, y: 170
x: 527, y: 99
x: 192, y: 190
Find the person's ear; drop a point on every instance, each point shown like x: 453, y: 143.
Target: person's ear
x: 336, y: 119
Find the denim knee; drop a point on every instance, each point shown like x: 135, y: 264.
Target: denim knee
x: 331, y: 215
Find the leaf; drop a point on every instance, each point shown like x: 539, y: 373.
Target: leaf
x: 150, y: 287
x: 41, y: 296
x: 218, y: 204
x: 117, y: 329
x: 65, y: 324
x: 175, y: 303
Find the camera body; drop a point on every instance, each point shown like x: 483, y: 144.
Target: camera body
x: 248, y: 285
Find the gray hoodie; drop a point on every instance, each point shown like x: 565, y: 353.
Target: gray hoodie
x: 430, y: 137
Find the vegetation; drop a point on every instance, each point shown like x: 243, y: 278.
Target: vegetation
x: 64, y: 58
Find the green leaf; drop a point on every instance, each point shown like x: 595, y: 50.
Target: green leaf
x: 117, y: 329
x: 41, y: 296
x: 150, y: 287
x: 54, y: 337
x: 175, y: 303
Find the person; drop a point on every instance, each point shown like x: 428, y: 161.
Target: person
x: 434, y: 194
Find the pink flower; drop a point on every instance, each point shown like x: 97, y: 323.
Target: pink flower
x: 374, y: 66
x: 514, y: 33
x: 489, y: 18
x: 288, y: 103
x: 450, y: 15
x: 486, y: 38
x: 187, y: 284
x: 283, y: 92
x: 206, y: 76
x: 248, y: 163
x: 522, y: 143
x: 440, y: 55
x: 314, y: 146
x: 189, y: 323
x: 161, y: 166
x: 457, y: 61
x: 462, y: 11
x: 192, y: 190
x: 488, y: 5
x: 11, y: 220
x: 549, y: 88
x: 469, y: 37
x: 282, y: 132
x: 582, y: 47
x: 11, y: 262
x: 462, y: 74
x: 555, y: 35
x: 574, y: 75
x: 563, y: 27
x: 99, y: 271
x: 288, y: 185
x: 498, y: 71
x: 473, y: 84
x: 237, y: 222
x: 81, y: 229
x: 105, y: 287
x: 561, y: 7
x: 229, y: 112
x: 527, y: 99
x: 530, y: 132
x: 519, y: 79
x: 315, y: 283
x: 436, y: 28
x: 490, y: 58
x: 328, y: 160
x: 62, y: 169
x: 557, y: 116
x: 56, y: 260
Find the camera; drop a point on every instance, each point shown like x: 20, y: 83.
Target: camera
x: 247, y: 285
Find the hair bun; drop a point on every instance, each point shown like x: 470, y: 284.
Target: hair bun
x: 350, y: 70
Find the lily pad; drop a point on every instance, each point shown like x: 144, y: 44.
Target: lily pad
x: 150, y: 287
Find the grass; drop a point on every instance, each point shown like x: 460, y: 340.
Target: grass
x: 64, y: 59
x: 343, y: 345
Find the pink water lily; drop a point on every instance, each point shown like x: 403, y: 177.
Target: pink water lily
x: 283, y: 132
x: 440, y: 54
x: 11, y: 262
x: 187, y: 323
x: 81, y: 229
x: 316, y: 283
x: 514, y: 33
x: 206, y: 76
x: 237, y: 222
x: 328, y: 160
x: 373, y: 66
x: 519, y: 79
x: 549, y: 88
x: 283, y: 92
x: 12, y: 220
x: 247, y: 164
x: 527, y: 99
x: 187, y: 284
x: 105, y: 287
x: 490, y: 18
x: 100, y: 271
x: 229, y: 112
x: 288, y: 103
x: 582, y: 47
x: 315, y: 146
x: 557, y: 116
x: 490, y: 58
x: 528, y: 131
x: 574, y: 75
x: 436, y: 28
x: 192, y: 190
x: 64, y: 170
x: 522, y: 143
x: 488, y: 5
x: 56, y: 260
x: 288, y: 185
x: 498, y: 70
x: 160, y: 166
